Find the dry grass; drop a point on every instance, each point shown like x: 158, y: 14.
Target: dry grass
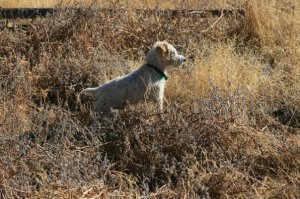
x: 231, y: 127
x: 120, y: 3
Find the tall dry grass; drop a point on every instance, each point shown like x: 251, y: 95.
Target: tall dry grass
x: 168, y: 4
x: 231, y: 122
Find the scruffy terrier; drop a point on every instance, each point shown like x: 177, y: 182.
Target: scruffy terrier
x: 145, y: 83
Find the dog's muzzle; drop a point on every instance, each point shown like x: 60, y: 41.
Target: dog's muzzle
x: 182, y: 59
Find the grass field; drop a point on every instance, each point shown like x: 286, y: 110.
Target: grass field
x: 231, y: 127
x: 119, y: 3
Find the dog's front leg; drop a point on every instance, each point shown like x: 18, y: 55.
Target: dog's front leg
x: 160, y: 100
x: 159, y: 106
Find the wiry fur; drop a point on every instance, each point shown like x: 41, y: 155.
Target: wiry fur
x: 142, y: 84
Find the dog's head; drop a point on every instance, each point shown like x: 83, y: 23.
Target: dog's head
x: 164, y: 54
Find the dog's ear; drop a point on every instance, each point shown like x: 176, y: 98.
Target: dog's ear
x: 162, y: 48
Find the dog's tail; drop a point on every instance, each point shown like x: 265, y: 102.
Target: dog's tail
x: 89, y: 92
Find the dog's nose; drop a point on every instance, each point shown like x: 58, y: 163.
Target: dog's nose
x: 184, y: 59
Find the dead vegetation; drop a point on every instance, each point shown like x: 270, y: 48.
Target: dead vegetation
x: 232, y: 119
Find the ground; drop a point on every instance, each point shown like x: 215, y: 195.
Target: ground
x: 231, y: 124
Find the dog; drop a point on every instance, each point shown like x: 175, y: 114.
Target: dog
x: 145, y: 83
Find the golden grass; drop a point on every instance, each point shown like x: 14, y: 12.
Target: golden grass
x: 220, y: 65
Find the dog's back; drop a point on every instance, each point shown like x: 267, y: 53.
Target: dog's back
x: 116, y: 93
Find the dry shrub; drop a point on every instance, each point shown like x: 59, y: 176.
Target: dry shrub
x: 265, y: 64
x: 186, y: 153
x: 274, y: 26
x: 276, y: 90
x: 231, y: 122
x: 171, y: 4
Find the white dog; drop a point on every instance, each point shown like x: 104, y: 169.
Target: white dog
x: 145, y: 83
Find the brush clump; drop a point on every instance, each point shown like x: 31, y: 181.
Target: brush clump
x: 231, y: 123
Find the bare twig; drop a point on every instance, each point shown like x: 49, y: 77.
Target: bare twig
x: 213, y: 24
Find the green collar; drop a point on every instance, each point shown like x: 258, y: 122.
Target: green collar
x: 162, y: 74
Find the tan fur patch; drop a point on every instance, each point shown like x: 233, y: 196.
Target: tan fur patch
x: 162, y: 48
